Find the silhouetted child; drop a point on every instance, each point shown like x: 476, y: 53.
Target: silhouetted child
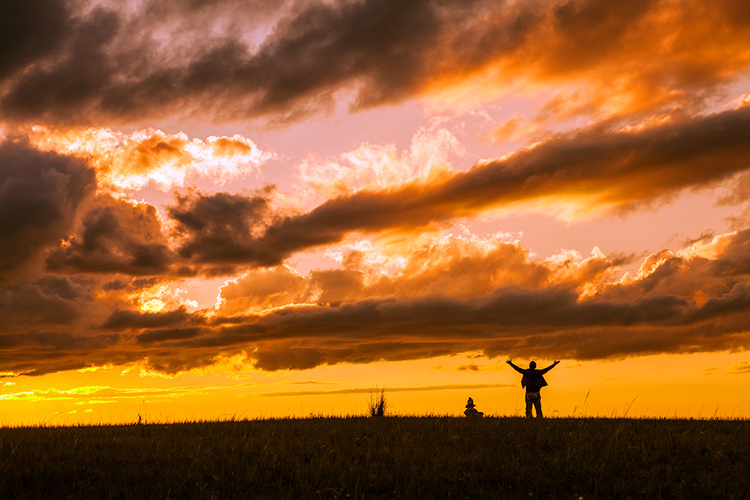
x: 533, y: 381
x: 472, y: 412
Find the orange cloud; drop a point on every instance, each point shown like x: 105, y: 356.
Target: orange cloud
x: 261, y: 289
x: 262, y: 234
x: 382, y: 167
x: 133, y: 161
x: 593, y: 171
x: 596, y: 59
x: 542, y: 309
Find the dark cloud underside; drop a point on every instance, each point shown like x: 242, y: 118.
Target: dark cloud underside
x: 39, y: 196
x: 106, y: 65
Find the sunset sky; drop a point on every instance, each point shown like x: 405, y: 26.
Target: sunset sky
x: 264, y: 209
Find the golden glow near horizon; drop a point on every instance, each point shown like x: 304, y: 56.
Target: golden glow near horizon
x: 663, y: 386
x: 257, y: 226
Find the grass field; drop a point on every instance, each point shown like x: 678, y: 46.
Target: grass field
x: 389, y: 457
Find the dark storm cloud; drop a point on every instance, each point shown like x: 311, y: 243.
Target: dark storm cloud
x: 72, y: 84
x: 508, y: 308
x: 167, y: 334
x: 737, y: 301
x: 588, y: 331
x: 106, y: 64
x: 48, y: 352
x: 51, y: 300
x: 39, y: 195
x: 128, y: 285
x: 393, y: 329
x: 325, y: 46
x: 223, y: 228
x: 115, y: 237
x: 121, y: 319
x: 735, y: 259
x: 30, y: 30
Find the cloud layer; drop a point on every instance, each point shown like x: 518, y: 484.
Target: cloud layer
x: 109, y: 64
x: 631, y: 112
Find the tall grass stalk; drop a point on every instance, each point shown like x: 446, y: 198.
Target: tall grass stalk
x: 377, y: 404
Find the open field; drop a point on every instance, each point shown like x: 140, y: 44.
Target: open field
x: 390, y: 457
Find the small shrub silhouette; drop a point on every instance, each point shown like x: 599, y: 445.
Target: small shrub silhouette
x: 377, y: 403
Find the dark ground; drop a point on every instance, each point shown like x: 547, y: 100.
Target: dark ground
x: 388, y: 457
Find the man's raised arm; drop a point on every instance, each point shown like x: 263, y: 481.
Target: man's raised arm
x: 549, y: 367
x: 519, y: 370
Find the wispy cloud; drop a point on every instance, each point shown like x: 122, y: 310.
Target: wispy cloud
x: 741, y: 367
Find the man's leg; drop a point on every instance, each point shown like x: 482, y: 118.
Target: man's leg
x: 528, y: 406
x: 538, y: 406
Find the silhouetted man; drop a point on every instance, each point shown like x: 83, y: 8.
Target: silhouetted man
x: 533, y: 381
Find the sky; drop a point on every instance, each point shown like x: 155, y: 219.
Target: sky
x: 250, y: 209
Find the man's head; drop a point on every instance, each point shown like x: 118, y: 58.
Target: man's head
x: 532, y: 365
